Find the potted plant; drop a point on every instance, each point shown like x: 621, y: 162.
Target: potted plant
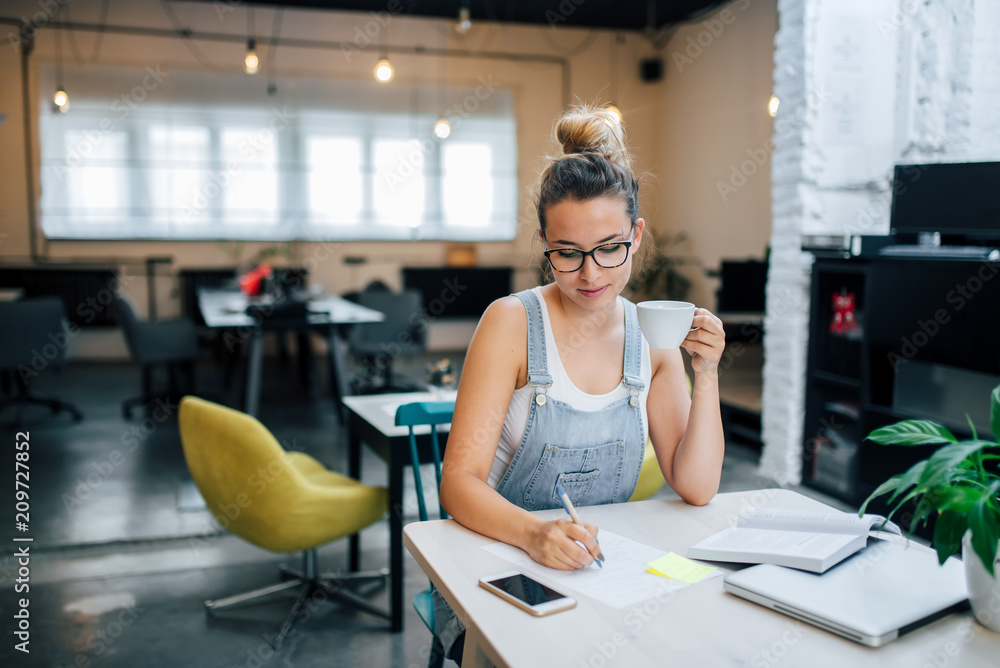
x: 961, y: 483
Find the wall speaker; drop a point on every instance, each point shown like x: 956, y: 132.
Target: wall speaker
x: 651, y: 69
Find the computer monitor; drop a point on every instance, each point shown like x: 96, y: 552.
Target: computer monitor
x: 957, y: 200
x: 458, y: 292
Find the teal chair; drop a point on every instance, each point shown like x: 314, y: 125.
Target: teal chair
x: 431, y: 413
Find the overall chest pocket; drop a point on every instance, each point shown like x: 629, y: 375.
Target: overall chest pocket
x: 590, y: 475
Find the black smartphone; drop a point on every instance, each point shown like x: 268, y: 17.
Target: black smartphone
x: 528, y: 594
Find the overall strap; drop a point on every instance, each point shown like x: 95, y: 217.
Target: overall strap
x: 632, y: 369
x: 538, y: 368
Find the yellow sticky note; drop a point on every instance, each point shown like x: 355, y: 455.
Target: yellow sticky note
x: 677, y: 567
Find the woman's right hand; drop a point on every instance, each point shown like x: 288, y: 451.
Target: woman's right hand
x: 556, y: 544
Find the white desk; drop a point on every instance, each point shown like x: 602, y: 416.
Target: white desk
x: 700, y: 625
x: 371, y: 419
x: 226, y: 309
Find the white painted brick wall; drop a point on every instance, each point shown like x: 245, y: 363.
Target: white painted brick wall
x: 931, y: 88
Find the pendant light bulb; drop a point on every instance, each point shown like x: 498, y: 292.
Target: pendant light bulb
x: 384, y: 71
x: 61, y: 99
x: 614, y: 111
x: 251, y: 63
x: 442, y: 129
x: 772, y: 106
x: 464, y: 20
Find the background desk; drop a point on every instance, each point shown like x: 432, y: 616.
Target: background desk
x: 226, y: 309
x: 371, y: 420
x: 699, y: 625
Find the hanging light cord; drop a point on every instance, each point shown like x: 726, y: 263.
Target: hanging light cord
x: 96, y: 49
x: 59, y: 71
x: 188, y: 42
x: 272, y: 50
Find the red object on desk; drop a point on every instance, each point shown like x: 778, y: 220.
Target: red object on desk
x: 252, y: 282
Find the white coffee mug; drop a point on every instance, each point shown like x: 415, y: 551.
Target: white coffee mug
x: 665, y: 323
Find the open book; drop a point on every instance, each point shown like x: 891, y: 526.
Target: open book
x: 811, y: 541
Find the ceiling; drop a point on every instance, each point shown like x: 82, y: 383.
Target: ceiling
x: 632, y: 15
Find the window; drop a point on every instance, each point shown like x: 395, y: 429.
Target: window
x: 167, y: 161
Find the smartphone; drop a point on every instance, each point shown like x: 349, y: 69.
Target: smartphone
x: 528, y: 594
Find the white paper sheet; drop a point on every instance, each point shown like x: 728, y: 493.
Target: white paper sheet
x: 622, y: 582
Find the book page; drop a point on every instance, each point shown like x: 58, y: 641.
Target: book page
x: 769, y: 542
x: 799, y: 520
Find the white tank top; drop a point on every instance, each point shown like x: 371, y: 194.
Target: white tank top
x: 563, y: 390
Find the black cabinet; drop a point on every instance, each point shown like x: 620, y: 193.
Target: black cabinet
x: 923, y: 342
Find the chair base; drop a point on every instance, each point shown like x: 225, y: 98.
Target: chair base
x: 26, y: 398
x: 309, y: 584
x: 173, y: 394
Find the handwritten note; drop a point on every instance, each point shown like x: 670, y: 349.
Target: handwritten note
x: 622, y: 582
x: 677, y: 567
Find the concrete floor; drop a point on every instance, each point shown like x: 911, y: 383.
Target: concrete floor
x: 124, y: 553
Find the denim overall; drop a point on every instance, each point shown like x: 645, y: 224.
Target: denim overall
x: 594, y: 455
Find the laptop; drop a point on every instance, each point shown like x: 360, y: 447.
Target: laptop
x: 881, y: 592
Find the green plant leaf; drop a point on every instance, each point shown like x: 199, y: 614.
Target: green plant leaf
x: 912, y: 432
x: 984, y: 520
x: 995, y: 412
x: 886, y: 487
x: 959, y: 498
x: 972, y: 427
x: 944, y: 465
x: 948, y: 532
x: 909, y: 479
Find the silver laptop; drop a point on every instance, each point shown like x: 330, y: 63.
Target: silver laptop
x: 873, y: 597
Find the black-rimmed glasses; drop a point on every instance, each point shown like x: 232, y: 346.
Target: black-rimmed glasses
x: 609, y: 256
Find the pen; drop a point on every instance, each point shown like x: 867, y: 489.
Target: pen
x: 568, y: 505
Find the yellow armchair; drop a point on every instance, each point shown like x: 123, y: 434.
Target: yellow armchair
x: 277, y: 500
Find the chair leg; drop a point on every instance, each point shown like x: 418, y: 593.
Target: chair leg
x: 310, y: 583
x: 236, y: 599
x: 436, y: 658
x: 286, y: 626
x: 23, y: 396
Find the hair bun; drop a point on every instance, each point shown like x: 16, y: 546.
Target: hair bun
x: 586, y: 129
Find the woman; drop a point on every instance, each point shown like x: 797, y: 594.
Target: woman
x: 559, y: 386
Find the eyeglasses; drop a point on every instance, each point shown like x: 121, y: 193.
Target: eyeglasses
x: 609, y: 256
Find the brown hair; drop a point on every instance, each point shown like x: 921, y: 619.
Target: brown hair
x: 595, y: 163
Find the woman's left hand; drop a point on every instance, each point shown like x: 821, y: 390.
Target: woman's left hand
x: 706, y: 342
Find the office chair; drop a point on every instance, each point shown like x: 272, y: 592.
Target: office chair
x: 34, y: 336
x: 650, y: 476
x: 170, y: 343
x: 431, y: 413
x: 378, y: 344
x: 299, y: 506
